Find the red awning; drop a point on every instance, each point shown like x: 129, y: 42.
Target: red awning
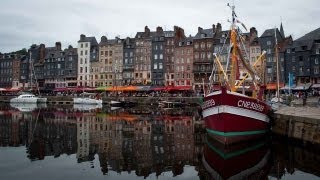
x: 178, y: 88
x: 162, y: 88
x: 273, y: 86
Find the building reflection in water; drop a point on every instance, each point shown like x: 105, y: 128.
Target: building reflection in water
x: 146, y: 142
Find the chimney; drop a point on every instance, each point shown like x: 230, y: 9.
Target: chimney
x: 179, y: 33
x: 213, y: 28
x: 42, y: 53
x: 104, y: 39
x: 253, y: 34
x: 219, y: 28
x: 70, y: 47
x: 199, y: 29
x: 58, y: 46
x: 159, y: 29
x: 146, y: 31
x: 82, y: 37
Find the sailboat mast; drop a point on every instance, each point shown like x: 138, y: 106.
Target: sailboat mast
x: 277, y: 63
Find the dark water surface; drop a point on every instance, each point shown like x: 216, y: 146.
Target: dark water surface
x: 138, y: 143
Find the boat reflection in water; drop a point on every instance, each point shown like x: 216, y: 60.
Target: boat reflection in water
x: 248, y: 160
x: 86, y: 107
x: 28, y: 107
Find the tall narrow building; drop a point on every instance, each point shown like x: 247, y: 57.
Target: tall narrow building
x: 143, y: 52
x: 128, y: 61
x: 157, y: 60
x: 203, y: 58
x: 184, y: 62
x: 171, y: 39
x: 87, y: 53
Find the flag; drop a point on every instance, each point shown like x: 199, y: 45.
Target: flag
x: 242, y: 24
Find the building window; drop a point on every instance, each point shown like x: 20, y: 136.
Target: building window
x: 155, y: 66
x: 300, y: 69
x: 86, y: 44
x: 196, y: 46
x: 160, y: 66
x: 269, y: 70
x: 81, y: 45
x: 203, y: 45
x: 288, y: 51
x: 156, y: 56
x: 318, y: 51
x: 161, y: 56
x: 268, y: 43
x: 316, y: 70
x: 316, y: 61
x: 269, y: 51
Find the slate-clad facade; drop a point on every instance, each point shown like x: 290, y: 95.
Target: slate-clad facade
x: 157, y: 60
x: 128, y: 61
x: 302, y: 59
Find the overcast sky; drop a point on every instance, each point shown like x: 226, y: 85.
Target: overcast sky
x: 26, y: 22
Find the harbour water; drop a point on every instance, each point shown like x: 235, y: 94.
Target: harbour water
x: 85, y: 142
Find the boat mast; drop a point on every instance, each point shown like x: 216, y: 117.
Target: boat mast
x: 31, y: 73
x: 277, y: 63
x: 233, y: 41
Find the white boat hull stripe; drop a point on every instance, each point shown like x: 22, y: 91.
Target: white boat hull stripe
x: 236, y: 111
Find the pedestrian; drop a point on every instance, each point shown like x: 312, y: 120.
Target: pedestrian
x: 304, y: 99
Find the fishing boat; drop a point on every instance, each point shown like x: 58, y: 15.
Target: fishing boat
x: 231, y: 117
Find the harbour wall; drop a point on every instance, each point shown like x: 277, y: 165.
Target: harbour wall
x: 301, y: 123
x: 194, y: 101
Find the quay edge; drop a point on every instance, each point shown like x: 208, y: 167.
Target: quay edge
x: 193, y: 101
x: 299, y: 123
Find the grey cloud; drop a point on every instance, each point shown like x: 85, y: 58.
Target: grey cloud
x: 45, y: 21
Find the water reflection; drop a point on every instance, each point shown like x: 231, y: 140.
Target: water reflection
x: 249, y: 160
x: 143, y: 141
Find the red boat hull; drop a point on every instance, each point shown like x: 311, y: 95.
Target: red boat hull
x: 233, y: 117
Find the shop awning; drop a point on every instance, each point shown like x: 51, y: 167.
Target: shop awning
x: 302, y: 87
x: 315, y: 86
x: 178, y: 88
x: 273, y: 86
x: 158, y: 88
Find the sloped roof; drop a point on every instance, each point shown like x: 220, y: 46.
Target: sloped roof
x: 298, y: 44
x: 270, y: 33
x: 108, y: 42
x: 313, y: 35
x: 92, y: 40
x: 208, y: 33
